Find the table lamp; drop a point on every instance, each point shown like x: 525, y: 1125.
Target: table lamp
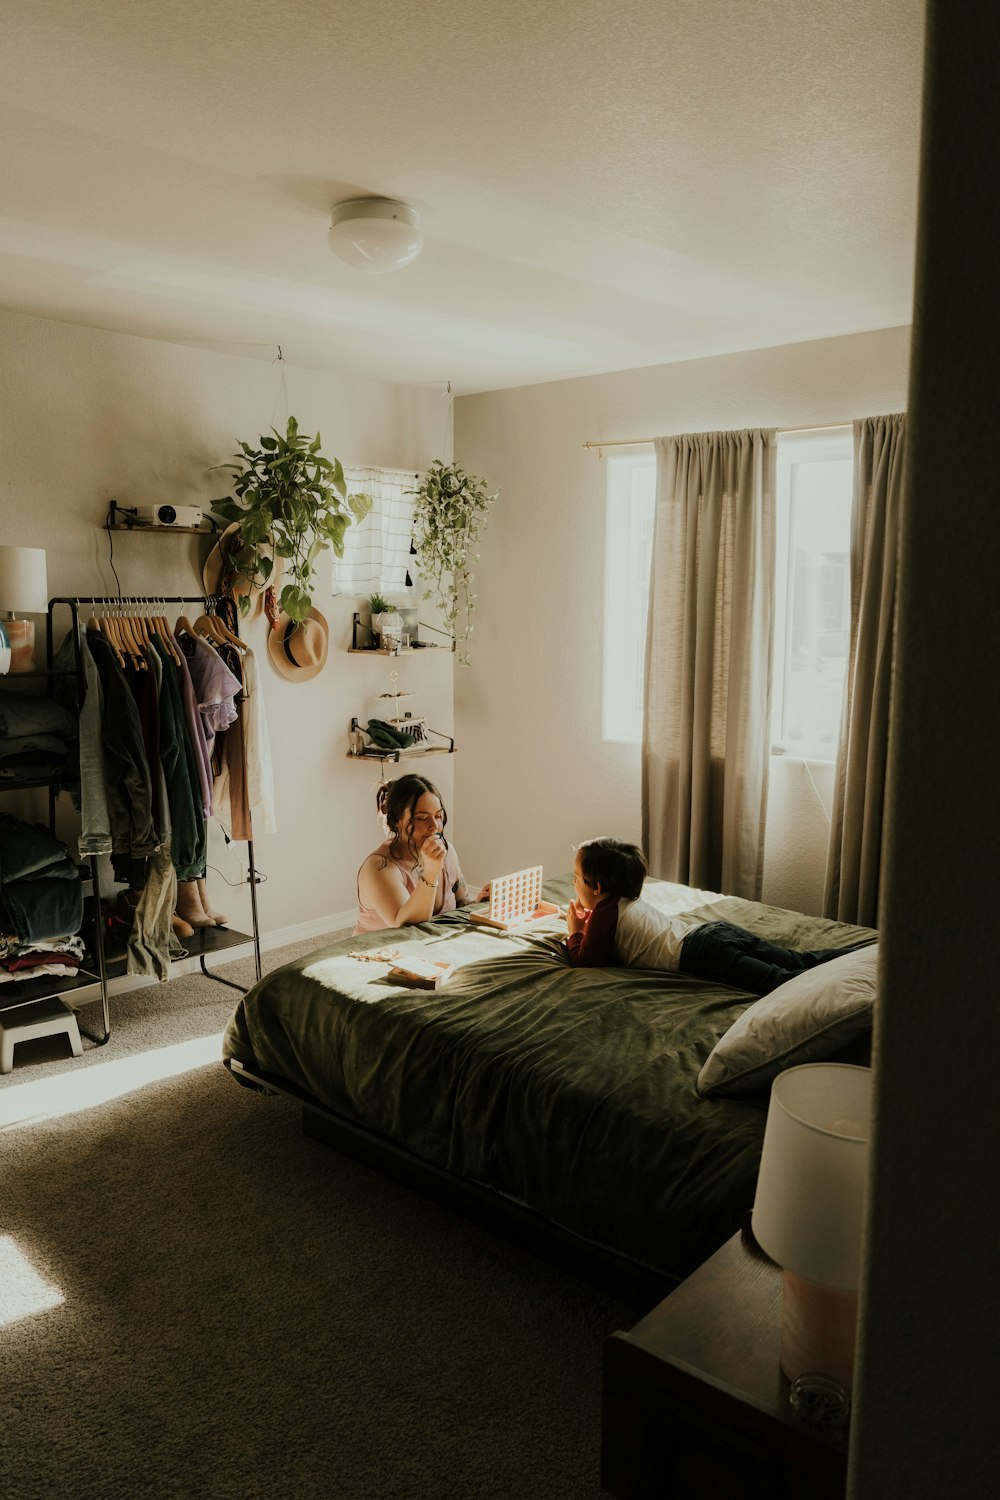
x: 808, y: 1210
x: 23, y: 590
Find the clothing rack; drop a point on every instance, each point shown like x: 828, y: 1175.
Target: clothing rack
x: 209, y: 603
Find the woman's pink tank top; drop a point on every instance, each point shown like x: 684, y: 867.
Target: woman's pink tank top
x: 369, y: 919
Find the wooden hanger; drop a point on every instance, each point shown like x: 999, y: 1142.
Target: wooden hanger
x: 107, y: 628
x: 216, y: 629
x: 161, y: 629
x: 130, y: 636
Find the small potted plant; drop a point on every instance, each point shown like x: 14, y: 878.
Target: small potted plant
x: 386, y: 623
x: 291, y: 503
x: 449, y: 517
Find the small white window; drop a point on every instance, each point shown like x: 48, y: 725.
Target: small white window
x: 812, y: 591
x: 377, y: 550
x: 630, y: 504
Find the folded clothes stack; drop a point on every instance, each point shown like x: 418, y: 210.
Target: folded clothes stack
x: 41, y: 895
x: 31, y: 960
x: 36, y: 737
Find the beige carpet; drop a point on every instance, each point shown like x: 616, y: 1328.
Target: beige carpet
x: 247, y: 1313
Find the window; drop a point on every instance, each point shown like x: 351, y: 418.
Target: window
x: 812, y: 590
x: 377, y: 551
x: 812, y: 624
x: 631, y: 497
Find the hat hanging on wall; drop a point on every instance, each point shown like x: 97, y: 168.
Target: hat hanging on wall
x: 298, y: 652
x: 221, y: 573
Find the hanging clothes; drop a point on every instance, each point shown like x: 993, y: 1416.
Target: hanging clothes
x: 127, y: 778
x: 90, y: 798
x: 215, y: 687
x: 177, y: 757
x: 152, y: 942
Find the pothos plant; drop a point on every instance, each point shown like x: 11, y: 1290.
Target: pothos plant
x: 449, y: 516
x: 292, y: 503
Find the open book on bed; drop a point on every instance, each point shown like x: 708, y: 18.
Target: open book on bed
x: 516, y: 901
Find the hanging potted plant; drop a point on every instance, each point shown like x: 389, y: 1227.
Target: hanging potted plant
x: 449, y: 517
x: 291, y: 503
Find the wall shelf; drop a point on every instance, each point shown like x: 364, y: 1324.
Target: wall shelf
x: 164, y: 530
x: 403, y: 752
x: 113, y: 523
x: 403, y: 650
x: 413, y: 752
x: 373, y: 650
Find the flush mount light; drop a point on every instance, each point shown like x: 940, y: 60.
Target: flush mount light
x: 375, y: 234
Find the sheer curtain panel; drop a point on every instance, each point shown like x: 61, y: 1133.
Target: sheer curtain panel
x: 855, y: 850
x: 377, y: 552
x: 706, y: 726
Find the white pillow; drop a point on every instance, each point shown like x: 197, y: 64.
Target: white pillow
x: 805, y: 1020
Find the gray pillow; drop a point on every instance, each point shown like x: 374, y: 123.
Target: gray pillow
x: 806, y: 1020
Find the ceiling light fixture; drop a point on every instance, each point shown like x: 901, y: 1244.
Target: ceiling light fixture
x: 375, y: 234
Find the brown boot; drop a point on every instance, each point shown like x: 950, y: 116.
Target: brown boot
x: 189, y: 907
x: 207, y: 906
x: 181, y: 928
x: 126, y: 904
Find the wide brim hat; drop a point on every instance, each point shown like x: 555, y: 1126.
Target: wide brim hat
x: 222, y: 573
x: 298, y: 652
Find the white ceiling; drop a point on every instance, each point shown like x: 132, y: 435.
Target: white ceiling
x: 602, y: 184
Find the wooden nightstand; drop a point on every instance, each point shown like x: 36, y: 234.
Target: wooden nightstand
x: 695, y: 1403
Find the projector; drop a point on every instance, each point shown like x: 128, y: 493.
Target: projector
x: 169, y: 515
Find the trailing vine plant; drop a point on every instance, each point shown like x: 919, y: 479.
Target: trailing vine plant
x: 293, y: 503
x: 449, y: 517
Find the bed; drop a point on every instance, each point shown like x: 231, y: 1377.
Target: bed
x: 558, y: 1105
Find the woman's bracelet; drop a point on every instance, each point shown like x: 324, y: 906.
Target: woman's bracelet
x: 431, y: 883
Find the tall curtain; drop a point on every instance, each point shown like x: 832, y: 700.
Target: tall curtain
x: 706, y: 729
x: 855, y: 850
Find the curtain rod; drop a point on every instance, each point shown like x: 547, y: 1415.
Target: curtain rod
x: 639, y: 442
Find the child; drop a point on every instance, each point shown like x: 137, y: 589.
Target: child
x: 608, y: 924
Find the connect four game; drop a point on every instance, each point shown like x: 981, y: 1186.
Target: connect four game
x: 515, y: 900
x: 514, y: 897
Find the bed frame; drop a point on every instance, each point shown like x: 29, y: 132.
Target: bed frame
x: 628, y: 1281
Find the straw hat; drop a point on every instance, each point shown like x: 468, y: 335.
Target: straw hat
x: 299, y: 651
x: 221, y: 573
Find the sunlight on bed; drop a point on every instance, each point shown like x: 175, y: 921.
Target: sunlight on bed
x: 22, y: 1291
x: 66, y: 1093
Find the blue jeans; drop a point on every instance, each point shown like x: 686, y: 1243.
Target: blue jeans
x: 730, y: 955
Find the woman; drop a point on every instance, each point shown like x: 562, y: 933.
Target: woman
x: 414, y: 875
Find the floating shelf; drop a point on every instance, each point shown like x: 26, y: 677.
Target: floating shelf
x: 165, y: 530
x: 412, y: 752
x: 403, y: 650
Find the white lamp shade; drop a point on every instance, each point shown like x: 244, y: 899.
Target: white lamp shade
x: 807, y: 1214
x: 24, y: 588
x: 375, y: 234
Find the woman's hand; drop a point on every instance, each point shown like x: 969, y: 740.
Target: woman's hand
x: 576, y: 916
x: 432, y: 857
x: 484, y: 894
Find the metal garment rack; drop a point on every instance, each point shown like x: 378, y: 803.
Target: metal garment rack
x: 208, y: 603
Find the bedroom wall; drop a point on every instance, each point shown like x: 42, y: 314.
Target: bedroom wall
x: 533, y: 773
x: 88, y: 416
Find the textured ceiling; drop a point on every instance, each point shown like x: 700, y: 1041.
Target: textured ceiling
x: 602, y: 184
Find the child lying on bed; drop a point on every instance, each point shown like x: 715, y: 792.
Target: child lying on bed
x: 609, y: 925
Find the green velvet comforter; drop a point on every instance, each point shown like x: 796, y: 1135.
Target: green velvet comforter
x: 571, y: 1090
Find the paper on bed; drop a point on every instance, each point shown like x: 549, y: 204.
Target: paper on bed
x: 420, y: 974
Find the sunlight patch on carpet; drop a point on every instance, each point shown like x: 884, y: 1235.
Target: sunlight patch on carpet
x: 67, y: 1093
x: 22, y: 1291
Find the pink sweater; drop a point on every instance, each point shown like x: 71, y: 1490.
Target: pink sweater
x: 369, y: 919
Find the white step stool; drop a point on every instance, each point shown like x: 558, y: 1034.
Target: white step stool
x: 36, y: 1018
